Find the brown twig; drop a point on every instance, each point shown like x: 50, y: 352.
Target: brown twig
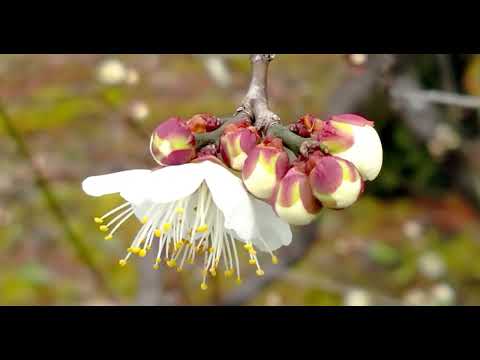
x: 255, y: 107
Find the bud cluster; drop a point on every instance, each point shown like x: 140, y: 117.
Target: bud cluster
x: 331, y: 176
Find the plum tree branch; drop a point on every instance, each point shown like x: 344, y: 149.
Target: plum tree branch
x: 255, y: 107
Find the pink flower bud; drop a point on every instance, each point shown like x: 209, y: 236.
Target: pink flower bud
x: 236, y: 142
x: 294, y: 200
x: 172, y: 143
x: 353, y: 138
x: 202, y: 123
x: 265, y: 166
x: 335, y: 182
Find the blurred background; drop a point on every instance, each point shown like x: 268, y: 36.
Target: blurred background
x: 413, y: 239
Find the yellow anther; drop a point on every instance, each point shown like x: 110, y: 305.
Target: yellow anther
x: 167, y: 226
x: 135, y: 250
x: 149, y: 247
x: 202, y: 229
x: 228, y: 273
x: 179, y: 210
x: 142, y: 253
x: 239, y: 281
x: 122, y: 262
x: 274, y: 260
x: 248, y: 247
x: 108, y: 237
x: 260, y: 272
x: 179, y: 269
x: 252, y: 252
x: 158, y: 232
x: 98, y: 220
x: 156, y: 267
x: 171, y: 263
x: 252, y: 262
x: 210, y: 250
x: 144, y: 220
x: 213, y: 272
x: 204, y: 286
x: 103, y: 228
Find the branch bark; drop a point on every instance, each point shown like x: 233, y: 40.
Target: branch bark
x: 255, y: 107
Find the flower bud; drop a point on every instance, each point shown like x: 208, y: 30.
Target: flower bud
x: 306, y: 125
x: 335, y: 182
x: 294, y: 200
x: 265, y: 166
x: 172, y: 143
x: 208, y: 153
x: 353, y: 138
x: 202, y: 123
x: 236, y: 142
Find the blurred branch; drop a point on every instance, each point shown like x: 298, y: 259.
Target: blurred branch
x: 358, y: 88
x: 303, y: 241
x: 54, y: 205
x: 423, y: 118
x: 439, y: 97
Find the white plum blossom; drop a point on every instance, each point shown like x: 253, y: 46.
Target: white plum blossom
x: 191, y: 211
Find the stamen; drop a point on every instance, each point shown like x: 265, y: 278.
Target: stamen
x: 121, y: 222
x: 110, y: 213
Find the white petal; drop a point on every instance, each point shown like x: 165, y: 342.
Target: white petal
x: 273, y: 230
x: 232, y: 199
x: 113, y: 183
x: 175, y: 182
